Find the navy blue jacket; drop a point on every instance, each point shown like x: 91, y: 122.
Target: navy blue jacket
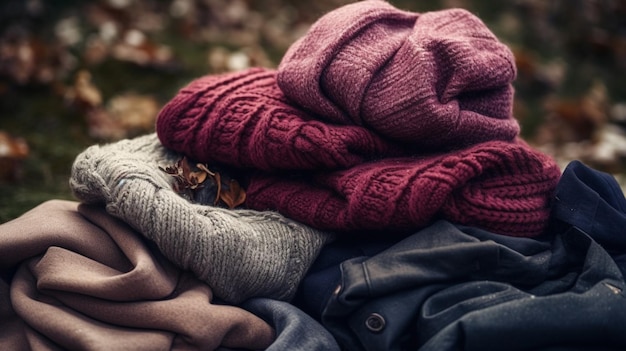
x: 450, y: 287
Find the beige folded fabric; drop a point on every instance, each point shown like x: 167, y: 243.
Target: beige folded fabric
x: 74, y: 277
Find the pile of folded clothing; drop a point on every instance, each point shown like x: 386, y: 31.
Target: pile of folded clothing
x: 372, y: 192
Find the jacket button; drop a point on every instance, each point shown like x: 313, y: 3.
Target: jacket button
x: 337, y: 290
x: 375, y: 323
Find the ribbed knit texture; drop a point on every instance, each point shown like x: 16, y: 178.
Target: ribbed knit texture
x: 437, y: 79
x: 244, y: 119
x: 502, y: 187
x: 377, y: 119
x: 238, y: 253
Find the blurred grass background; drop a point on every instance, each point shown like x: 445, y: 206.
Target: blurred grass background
x: 78, y: 72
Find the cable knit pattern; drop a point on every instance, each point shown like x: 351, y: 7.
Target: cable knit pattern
x: 376, y: 119
x: 238, y: 253
x: 244, y: 119
x: 502, y: 187
x: 437, y: 79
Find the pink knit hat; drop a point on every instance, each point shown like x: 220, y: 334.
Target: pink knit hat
x: 437, y: 79
x: 243, y: 119
x: 504, y: 187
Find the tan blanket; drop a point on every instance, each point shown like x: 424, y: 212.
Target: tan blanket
x: 75, y: 277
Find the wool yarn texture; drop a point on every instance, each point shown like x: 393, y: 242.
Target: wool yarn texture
x: 435, y: 80
x: 243, y: 119
x: 239, y: 253
x: 376, y: 119
x: 503, y: 187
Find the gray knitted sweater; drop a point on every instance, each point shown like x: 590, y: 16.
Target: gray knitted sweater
x: 239, y: 253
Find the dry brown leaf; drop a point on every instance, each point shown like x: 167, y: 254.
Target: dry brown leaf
x: 84, y: 94
x: 190, y: 183
x: 234, y: 196
x: 126, y: 115
x: 12, y: 151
